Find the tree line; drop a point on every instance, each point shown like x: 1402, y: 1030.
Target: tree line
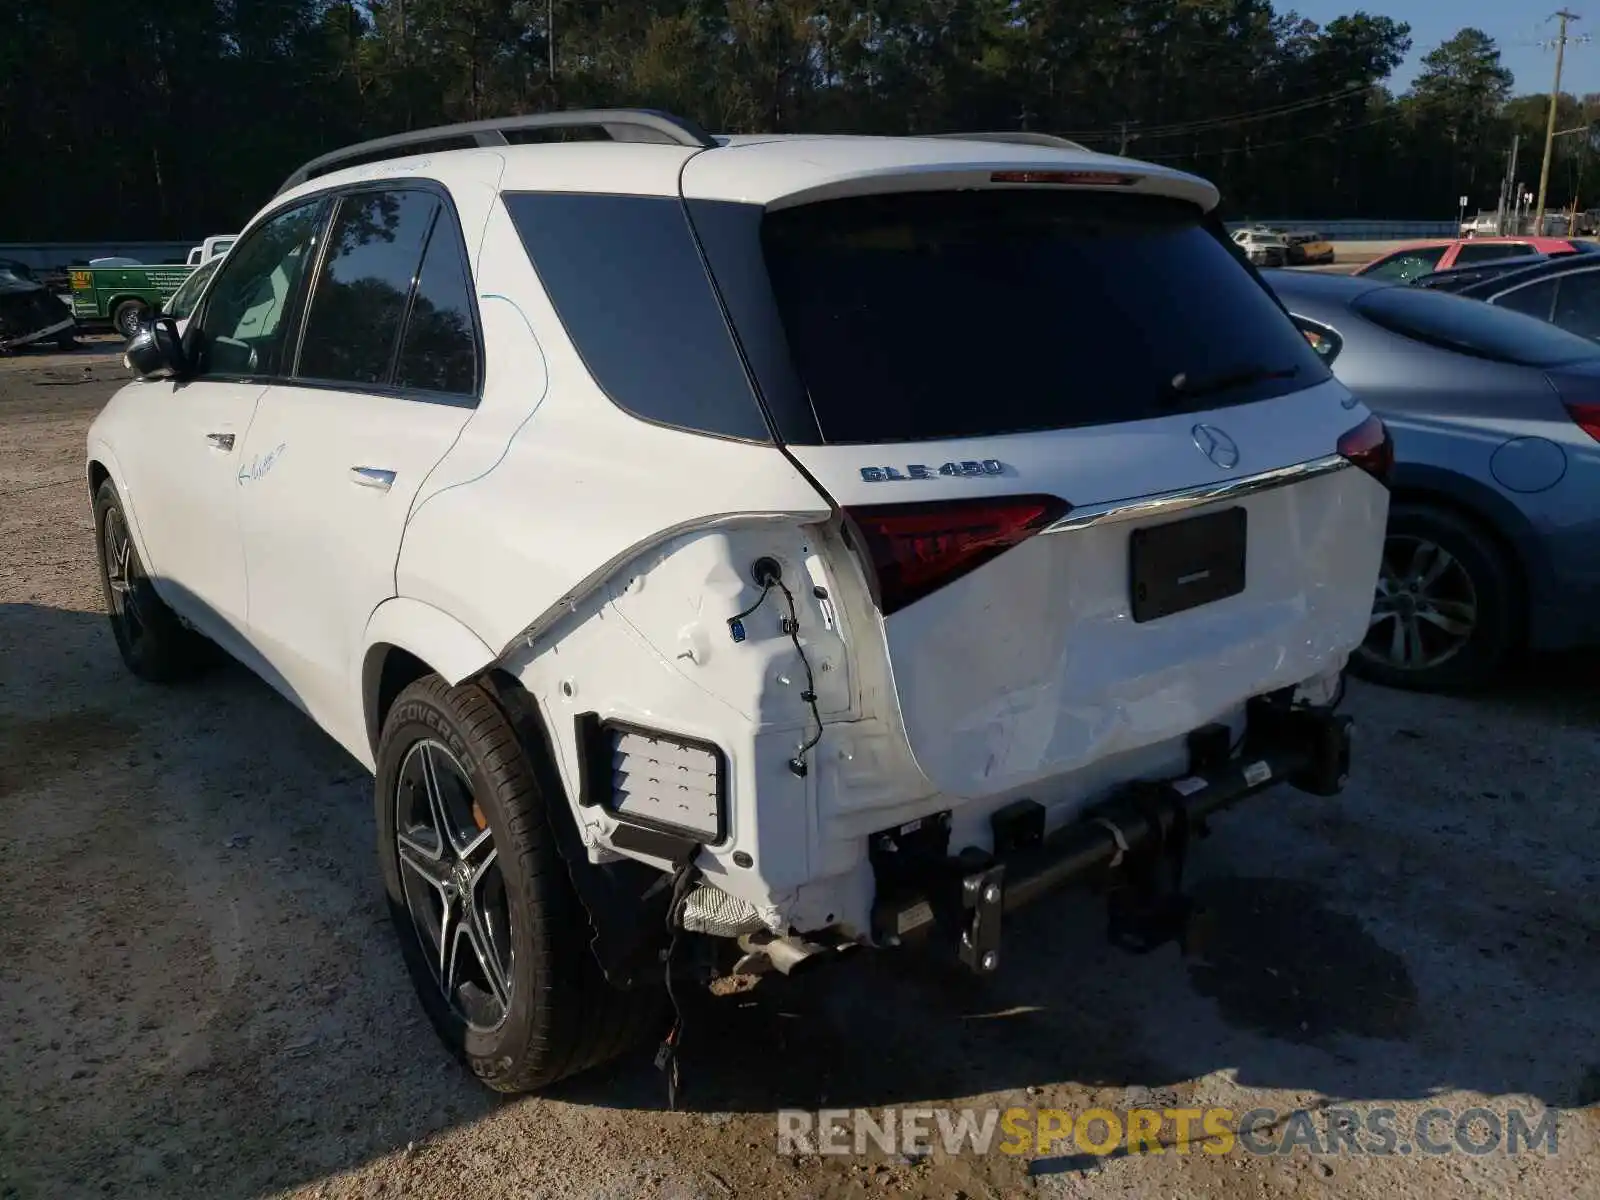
x: 181, y: 119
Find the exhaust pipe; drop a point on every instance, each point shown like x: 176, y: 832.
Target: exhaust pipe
x: 787, y: 955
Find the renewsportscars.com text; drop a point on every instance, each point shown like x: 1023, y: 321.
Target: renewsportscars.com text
x: 1101, y: 1131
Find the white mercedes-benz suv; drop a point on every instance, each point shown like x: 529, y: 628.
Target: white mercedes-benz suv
x: 760, y: 546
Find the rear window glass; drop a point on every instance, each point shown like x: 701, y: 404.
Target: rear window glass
x: 1471, y: 327
x: 968, y: 314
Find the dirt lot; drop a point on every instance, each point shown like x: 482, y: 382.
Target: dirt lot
x: 199, y: 995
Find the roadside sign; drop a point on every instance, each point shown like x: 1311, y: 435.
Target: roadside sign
x: 1462, y: 202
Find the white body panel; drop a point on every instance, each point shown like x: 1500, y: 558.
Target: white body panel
x: 1032, y: 665
x: 325, y: 485
x: 179, y: 446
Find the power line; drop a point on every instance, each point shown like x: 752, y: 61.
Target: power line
x: 1396, y: 113
x: 1182, y: 128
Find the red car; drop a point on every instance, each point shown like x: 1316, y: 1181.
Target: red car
x: 1421, y: 258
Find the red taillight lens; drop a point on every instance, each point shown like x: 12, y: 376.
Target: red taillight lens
x: 1588, y: 418
x: 918, y: 548
x: 1370, y: 447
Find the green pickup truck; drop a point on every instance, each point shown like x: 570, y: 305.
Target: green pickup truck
x: 121, y: 295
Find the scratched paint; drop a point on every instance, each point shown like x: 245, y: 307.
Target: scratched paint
x: 260, y: 464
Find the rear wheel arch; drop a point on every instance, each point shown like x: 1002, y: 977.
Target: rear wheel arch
x: 102, y: 466
x: 390, y: 669
x: 406, y: 640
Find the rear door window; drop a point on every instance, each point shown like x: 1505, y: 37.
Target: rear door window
x: 439, y: 350
x: 1472, y: 327
x: 361, y: 294
x: 962, y: 314
x: 1472, y: 253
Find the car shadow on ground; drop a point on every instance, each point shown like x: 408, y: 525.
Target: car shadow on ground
x: 203, y: 993
x: 1563, y: 688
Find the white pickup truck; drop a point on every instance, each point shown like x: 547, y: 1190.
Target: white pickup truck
x: 217, y: 243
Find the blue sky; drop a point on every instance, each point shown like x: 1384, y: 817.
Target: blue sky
x: 1517, y: 31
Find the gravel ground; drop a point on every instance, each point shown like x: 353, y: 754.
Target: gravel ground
x: 200, y: 996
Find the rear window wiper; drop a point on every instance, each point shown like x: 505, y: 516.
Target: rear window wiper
x: 1187, y: 387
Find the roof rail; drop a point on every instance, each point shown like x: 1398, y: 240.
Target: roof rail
x: 620, y: 124
x: 1023, y: 137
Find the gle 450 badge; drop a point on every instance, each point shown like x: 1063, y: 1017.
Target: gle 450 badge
x: 965, y: 470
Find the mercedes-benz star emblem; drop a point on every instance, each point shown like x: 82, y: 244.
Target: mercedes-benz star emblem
x: 1217, y: 446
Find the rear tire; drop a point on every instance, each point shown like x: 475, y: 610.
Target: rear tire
x: 127, y: 316
x: 1445, y: 617
x: 526, y: 1003
x: 153, y: 642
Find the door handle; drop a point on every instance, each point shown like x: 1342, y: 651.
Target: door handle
x: 220, y: 441
x: 373, y: 477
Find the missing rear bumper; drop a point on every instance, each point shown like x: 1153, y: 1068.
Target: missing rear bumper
x: 1136, y: 841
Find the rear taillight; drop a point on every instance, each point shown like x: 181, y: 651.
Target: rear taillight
x: 1370, y: 447
x: 1066, y: 178
x: 1588, y: 418
x: 918, y: 548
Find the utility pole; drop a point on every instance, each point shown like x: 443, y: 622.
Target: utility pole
x: 1509, y: 186
x: 1550, y: 125
x: 1123, y: 126
x: 550, y: 34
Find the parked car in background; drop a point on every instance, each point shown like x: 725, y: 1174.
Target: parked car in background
x: 1263, y: 247
x: 1563, y: 291
x: 29, y: 311
x: 1494, y: 535
x: 1485, y: 223
x: 1419, y: 258
x: 1308, y: 248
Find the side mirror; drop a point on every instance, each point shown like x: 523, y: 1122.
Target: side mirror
x: 1324, y: 340
x: 156, y: 351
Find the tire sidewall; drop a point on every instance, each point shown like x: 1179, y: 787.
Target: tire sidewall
x: 167, y: 650
x: 1497, y: 629
x: 413, y: 718
x: 107, y: 501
